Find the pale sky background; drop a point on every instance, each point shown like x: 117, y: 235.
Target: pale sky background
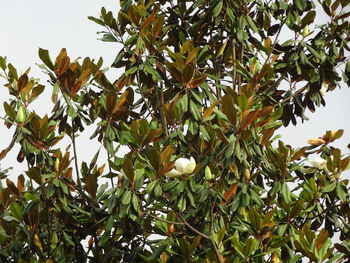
x: 27, y: 25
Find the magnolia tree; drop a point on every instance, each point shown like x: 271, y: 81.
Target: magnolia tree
x: 205, y: 87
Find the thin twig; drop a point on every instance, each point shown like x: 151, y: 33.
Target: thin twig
x: 166, y: 221
x: 234, y: 73
x: 241, y: 61
x: 143, y: 95
x: 184, y: 223
x: 291, y: 96
x: 193, y: 229
x: 165, y: 124
x: 75, y: 156
x: 274, y: 43
x: 218, y: 255
x: 110, y: 169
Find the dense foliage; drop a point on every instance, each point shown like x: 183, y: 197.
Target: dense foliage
x: 205, y: 86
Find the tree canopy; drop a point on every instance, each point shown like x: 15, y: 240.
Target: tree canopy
x: 205, y: 86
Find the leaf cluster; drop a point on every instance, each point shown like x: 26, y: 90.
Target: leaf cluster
x: 212, y: 80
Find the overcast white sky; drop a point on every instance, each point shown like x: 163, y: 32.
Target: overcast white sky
x: 27, y: 25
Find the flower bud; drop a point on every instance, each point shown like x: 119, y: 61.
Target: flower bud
x: 208, y: 175
x: 21, y: 114
x: 57, y: 164
x: 247, y: 174
x: 305, y: 31
x: 316, y: 142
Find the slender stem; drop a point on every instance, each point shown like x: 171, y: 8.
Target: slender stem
x: 165, y: 221
x: 48, y: 233
x: 75, y: 155
x: 110, y: 169
x: 184, y: 223
x: 212, y: 218
x: 193, y: 229
x: 241, y: 61
x: 31, y: 180
x: 234, y: 73
x: 12, y: 143
x: 291, y: 96
x: 274, y: 43
x: 143, y: 96
x: 79, y: 188
x: 165, y: 124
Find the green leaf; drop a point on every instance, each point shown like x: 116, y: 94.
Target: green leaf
x: 296, y: 209
x: 329, y: 187
x: 158, y: 190
x: 217, y: 8
x: 150, y: 187
x: 45, y: 57
x: 314, y: 52
x: 31, y: 197
x: 108, y: 38
x: 9, y: 110
x: 222, y: 49
x: 126, y: 199
x: 54, y: 240
x: 230, y: 14
x: 3, y: 63
x: 300, y: 4
x: 37, y: 90
x: 72, y: 112
x: 251, y: 245
x: 96, y: 20
x: 194, y: 111
x: 130, y: 71
x: 128, y: 169
x: 308, y: 18
x: 156, y: 253
x: 252, y: 24
x: 16, y: 211
x: 135, y: 202
x: 181, y: 204
x: 341, y: 193
x: 228, y: 108
x: 155, y: 75
x: 68, y: 239
x: 237, y: 245
x: 188, y: 73
x: 204, y: 133
x: 285, y: 192
x: 91, y: 185
x: 254, y: 218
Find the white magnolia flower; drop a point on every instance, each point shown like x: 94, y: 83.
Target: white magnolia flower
x: 182, y: 166
x: 319, y: 163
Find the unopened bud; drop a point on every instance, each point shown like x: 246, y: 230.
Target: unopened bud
x: 305, y: 31
x: 21, y: 114
x: 316, y: 142
x: 247, y: 174
x: 57, y: 164
x: 208, y: 175
x: 171, y: 229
